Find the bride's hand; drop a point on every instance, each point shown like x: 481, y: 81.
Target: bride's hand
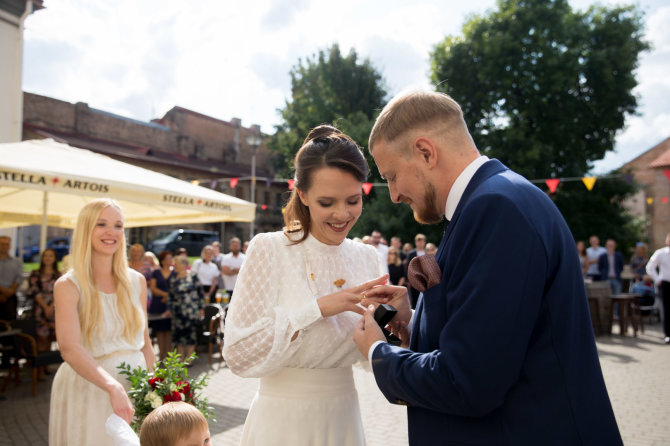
x: 348, y: 300
x: 121, y: 403
x: 396, y: 296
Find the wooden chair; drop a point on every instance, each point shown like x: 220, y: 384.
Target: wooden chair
x: 600, y: 293
x: 212, y: 330
x: 25, y: 347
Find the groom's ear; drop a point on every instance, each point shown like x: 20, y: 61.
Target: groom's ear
x: 425, y: 149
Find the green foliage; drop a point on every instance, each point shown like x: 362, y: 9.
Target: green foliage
x: 545, y: 89
x: 328, y: 88
x: 168, y: 382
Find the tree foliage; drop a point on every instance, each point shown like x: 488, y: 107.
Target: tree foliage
x: 348, y: 93
x: 328, y: 88
x: 545, y: 89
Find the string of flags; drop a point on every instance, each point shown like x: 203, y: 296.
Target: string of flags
x: 551, y: 183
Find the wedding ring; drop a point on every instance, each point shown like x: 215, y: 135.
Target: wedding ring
x: 363, y: 296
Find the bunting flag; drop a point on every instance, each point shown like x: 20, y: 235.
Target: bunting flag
x: 552, y: 184
x: 667, y: 174
x: 195, y: 182
x: 291, y: 183
x: 650, y: 200
x: 233, y: 182
x: 628, y: 178
x: 664, y: 200
x: 589, y: 182
x: 214, y: 184
x: 264, y: 207
x: 367, y: 187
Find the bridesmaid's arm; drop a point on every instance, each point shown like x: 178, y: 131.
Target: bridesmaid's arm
x: 68, y: 335
x: 148, y: 348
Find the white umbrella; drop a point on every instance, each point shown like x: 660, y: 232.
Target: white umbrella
x: 46, y: 182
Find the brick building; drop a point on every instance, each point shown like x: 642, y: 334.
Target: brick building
x: 653, y: 201
x: 183, y: 144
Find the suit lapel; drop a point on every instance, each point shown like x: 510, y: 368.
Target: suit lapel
x: 487, y: 170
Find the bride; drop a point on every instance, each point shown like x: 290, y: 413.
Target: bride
x: 296, y: 304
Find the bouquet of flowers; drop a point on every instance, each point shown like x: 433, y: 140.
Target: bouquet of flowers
x: 168, y: 382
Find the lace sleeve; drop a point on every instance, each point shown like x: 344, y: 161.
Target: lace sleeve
x: 259, y: 327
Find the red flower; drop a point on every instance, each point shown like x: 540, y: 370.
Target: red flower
x: 172, y: 396
x: 153, y: 381
x: 185, y: 387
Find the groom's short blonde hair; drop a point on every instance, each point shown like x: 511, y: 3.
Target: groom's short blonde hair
x: 172, y: 421
x: 415, y: 109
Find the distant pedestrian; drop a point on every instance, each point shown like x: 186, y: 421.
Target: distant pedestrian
x: 11, y: 277
x: 658, y: 268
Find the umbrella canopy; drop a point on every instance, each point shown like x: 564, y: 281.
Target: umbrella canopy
x: 43, y: 181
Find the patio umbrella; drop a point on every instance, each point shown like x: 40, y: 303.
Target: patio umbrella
x: 45, y: 182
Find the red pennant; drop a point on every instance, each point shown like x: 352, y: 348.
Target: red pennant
x: 667, y: 174
x: 367, y: 187
x: 233, y: 182
x: 664, y: 200
x: 290, y: 184
x: 552, y: 184
x: 264, y: 206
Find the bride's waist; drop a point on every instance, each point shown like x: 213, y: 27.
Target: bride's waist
x: 308, y: 383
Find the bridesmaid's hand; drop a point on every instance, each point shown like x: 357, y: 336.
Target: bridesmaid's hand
x: 121, y: 403
x: 349, y: 299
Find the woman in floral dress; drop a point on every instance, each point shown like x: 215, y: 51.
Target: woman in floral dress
x: 41, y: 292
x: 186, y: 305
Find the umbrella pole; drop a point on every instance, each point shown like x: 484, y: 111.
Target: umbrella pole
x: 43, y: 230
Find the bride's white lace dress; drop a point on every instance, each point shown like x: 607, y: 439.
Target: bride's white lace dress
x: 306, y: 394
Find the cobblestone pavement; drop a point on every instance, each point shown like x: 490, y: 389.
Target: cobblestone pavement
x: 636, y: 371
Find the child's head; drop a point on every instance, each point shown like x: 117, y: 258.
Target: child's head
x: 175, y: 424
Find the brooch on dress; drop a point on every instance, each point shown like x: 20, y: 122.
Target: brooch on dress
x: 339, y: 282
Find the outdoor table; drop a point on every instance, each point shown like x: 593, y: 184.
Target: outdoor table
x: 629, y: 304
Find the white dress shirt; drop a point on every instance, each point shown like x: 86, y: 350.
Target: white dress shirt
x: 661, y: 260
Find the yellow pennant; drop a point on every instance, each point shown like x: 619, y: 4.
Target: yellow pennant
x: 650, y: 200
x: 589, y: 182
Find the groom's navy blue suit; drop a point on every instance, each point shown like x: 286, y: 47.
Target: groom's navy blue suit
x: 502, y: 350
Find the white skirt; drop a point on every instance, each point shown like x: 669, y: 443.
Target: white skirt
x: 310, y: 407
x: 79, y: 409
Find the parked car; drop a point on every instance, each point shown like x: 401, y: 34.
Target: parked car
x: 59, y: 244
x: 191, y: 239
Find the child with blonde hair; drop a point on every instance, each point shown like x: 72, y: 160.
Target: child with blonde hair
x: 173, y: 424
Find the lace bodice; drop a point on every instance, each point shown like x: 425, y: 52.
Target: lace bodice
x: 111, y: 337
x: 275, y: 296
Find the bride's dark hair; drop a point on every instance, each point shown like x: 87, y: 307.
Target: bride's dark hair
x: 325, y: 146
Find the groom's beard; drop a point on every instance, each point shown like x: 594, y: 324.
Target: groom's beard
x: 428, y: 213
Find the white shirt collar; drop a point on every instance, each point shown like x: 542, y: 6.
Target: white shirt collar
x: 460, y: 184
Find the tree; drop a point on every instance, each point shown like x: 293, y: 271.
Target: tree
x: 328, y: 88
x: 545, y: 89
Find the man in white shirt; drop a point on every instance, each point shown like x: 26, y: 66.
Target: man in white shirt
x: 593, y: 253
x: 658, y: 268
x: 382, y: 249
x: 231, y: 264
x: 207, y: 271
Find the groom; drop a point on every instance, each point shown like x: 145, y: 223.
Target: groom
x: 501, y: 350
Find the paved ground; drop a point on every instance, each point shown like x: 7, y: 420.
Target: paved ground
x: 636, y: 372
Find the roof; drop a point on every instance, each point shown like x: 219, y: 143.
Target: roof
x: 664, y: 159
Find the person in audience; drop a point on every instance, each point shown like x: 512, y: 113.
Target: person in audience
x: 207, y: 272
x: 11, y: 277
x: 658, y: 267
x: 610, y: 266
x: 186, y: 306
x: 231, y: 264
x: 41, y: 291
x: 395, y: 267
x: 160, y: 290
x: 638, y: 262
x: 593, y: 253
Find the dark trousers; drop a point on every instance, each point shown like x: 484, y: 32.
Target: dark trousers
x: 665, y: 294
x: 8, y: 309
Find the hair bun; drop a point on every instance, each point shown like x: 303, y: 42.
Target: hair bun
x: 323, y: 131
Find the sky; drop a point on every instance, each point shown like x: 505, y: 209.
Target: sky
x: 230, y: 59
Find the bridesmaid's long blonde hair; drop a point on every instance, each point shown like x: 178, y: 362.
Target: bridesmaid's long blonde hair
x: 90, y: 307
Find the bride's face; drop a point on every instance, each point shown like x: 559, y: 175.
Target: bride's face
x: 335, y: 202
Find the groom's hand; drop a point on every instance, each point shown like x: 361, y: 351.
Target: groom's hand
x: 367, y: 331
